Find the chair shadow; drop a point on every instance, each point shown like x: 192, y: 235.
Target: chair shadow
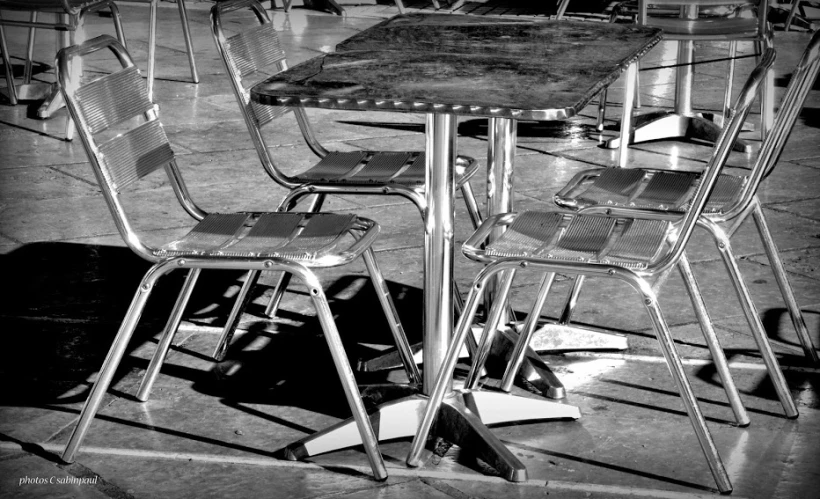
x: 65, y: 302
x: 285, y: 371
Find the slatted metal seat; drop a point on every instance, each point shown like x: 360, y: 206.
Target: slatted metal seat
x: 252, y: 54
x: 633, y: 246
x: 125, y: 142
x: 733, y: 199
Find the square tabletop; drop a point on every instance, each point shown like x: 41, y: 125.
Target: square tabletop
x: 467, y: 65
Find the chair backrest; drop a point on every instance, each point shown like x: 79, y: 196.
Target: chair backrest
x: 250, y: 56
x: 119, y: 128
x: 736, y: 116
x: 801, y: 82
x: 728, y: 26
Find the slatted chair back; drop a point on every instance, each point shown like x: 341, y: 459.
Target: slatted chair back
x: 120, y: 130
x: 801, y: 82
x: 723, y: 147
x: 250, y: 56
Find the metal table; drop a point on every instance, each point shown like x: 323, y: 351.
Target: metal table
x: 507, y: 71
x: 523, y: 37
x: 682, y: 122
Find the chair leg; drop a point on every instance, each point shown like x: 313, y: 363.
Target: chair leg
x: 730, y: 78
x: 718, y: 356
x: 400, y: 6
x: 112, y: 360
x: 476, y: 219
x: 783, y: 282
x: 752, y: 317
x: 32, y: 32
x: 276, y: 298
x: 242, y: 300
x: 675, y: 365
x: 284, y: 278
x: 75, y: 37
x: 520, y: 351
x: 599, y: 124
x: 766, y: 96
x: 189, y: 46
x: 562, y: 8
x: 490, y: 328
x: 472, y: 205
x: 445, y: 372
x: 792, y: 13
x: 9, y: 70
x: 152, y: 47
x: 572, y: 300
x: 351, y: 389
x: 389, y: 308
x: 167, y: 336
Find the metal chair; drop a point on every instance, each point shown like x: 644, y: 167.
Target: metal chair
x: 69, y: 20
x: 254, y: 54
x: 790, y: 10
x: 733, y: 200
x: 680, y: 21
x: 634, y: 246
x: 125, y: 142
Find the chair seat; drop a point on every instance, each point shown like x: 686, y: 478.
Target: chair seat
x: 631, y: 243
x: 46, y: 5
x: 302, y: 237
x: 378, y: 168
x: 717, y: 28
x: 651, y: 189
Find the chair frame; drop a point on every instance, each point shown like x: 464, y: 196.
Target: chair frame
x: 722, y: 224
x: 204, y: 255
x: 645, y: 279
x: 299, y: 187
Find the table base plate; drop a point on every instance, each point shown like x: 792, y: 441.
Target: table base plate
x: 462, y: 420
x: 665, y: 125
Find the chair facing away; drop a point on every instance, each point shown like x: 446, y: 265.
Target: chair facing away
x: 254, y: 54
x: 125, y: 142
x: 733, y: 200
x: 632, y: 246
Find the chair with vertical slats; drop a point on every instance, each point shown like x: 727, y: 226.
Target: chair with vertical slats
x: 125, y: 142
x: 252, y: 54
x: 731, y: 203
x: 630, y: 245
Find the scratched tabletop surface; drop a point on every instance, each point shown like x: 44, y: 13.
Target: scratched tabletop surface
x: 468, y: 65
